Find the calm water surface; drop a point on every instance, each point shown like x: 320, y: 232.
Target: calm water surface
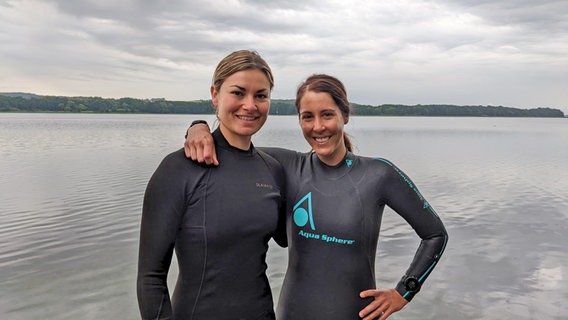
x: 71, y: 190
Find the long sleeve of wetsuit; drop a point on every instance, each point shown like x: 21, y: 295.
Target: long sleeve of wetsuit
x: 404, y: 198
x: 164, y: 203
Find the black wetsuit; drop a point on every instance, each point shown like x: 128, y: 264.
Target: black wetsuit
x: 219, y: 221
x: 334, y: 216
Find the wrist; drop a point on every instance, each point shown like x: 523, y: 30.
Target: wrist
x: 408, y: 287
x: 194, y: 123
x: 198, y: 122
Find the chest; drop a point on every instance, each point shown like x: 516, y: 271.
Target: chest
x: 343, y: 207
x: 236, y: 201
x: 331, y: 214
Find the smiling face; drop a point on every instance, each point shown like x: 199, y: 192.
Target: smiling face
x: 322, y: 125
x: 242, y: 103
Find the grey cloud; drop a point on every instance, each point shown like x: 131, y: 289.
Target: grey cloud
x: 543, y: 16
x: 408, y: 51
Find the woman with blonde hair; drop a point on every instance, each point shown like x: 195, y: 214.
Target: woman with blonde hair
x: 218, y: 220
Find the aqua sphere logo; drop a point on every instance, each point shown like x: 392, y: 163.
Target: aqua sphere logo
x: 302, y: 215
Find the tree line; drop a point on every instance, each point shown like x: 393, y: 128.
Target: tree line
x: 21, y: 102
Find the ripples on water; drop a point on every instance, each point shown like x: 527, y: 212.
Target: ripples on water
x: 71, y: 190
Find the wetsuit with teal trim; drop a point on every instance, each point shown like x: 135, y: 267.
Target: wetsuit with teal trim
x: 333, y: 222
x: 219, y: 221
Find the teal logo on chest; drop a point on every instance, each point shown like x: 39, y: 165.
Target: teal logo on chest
x: 303, y: 213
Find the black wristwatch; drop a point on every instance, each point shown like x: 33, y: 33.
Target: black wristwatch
x: 196, y: 122
x: 411, y: 284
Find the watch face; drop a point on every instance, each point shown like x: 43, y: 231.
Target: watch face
x: 411, y: 284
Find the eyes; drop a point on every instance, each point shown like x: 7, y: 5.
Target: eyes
x: 258, y: 96
x: 326, y: 115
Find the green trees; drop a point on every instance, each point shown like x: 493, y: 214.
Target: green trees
x: 34, y: 103
x: 454, y: 111
x: 101, y: 105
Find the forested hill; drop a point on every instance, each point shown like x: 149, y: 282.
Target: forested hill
x: 24, y: 102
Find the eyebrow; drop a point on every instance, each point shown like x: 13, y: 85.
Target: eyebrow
x: 243, y: 89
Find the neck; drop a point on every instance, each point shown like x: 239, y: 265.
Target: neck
x: 335, y: 158
x: 237, y: 141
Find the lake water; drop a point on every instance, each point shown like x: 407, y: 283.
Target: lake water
x: 71, y: 188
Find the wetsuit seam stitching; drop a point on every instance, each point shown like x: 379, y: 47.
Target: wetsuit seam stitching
x: 205, y: 247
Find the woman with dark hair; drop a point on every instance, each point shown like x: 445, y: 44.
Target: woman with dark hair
x: 335, y: 203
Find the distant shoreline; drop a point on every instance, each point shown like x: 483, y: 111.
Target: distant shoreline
x: 31, y: 103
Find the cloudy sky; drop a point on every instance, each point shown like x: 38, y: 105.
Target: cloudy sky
x: 468, y: 52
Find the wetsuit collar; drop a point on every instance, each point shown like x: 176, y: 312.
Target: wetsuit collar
x: 221, y: 142
x: 332, y: 172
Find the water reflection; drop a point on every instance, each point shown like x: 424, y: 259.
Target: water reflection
x: 71, y: 191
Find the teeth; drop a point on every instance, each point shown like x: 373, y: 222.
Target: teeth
x: 246, y: 118
x: 324, y: 139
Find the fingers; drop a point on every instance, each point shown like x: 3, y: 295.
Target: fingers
x: 210, y: 155
x: 373, y: 309
x: 206, y: 150
x: 378, y: 314
x: 205, y: 153
x: 368, y: 293
x: 187, y: 148
x: 380, y: 308
x: 386, y: 314
x: 200, y: 148
x: 199, y: 145
x: 191, y: 151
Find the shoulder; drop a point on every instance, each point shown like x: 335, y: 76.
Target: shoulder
x: 271, y: 162
x: 177, y: 177
x: 283, y: 155
x: 392, y: 173
x: 375, y: 162
x: 174, y: 156
x: 175, y: 166
x: 177, y: 159
x: 269, y: 158
x: 374, y: 168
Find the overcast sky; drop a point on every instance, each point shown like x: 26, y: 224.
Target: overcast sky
x: 468, y: 52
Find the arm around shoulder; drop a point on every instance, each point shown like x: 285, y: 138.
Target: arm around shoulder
x: 199, y: 144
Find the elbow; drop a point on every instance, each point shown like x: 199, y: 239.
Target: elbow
x: 443, y: 242
x: 438, y: 244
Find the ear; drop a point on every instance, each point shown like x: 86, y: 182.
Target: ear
x: 214, y: 99
x: 346, y: 119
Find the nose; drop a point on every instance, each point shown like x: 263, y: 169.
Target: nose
x: 318, y: 124
x: 249, y: 103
